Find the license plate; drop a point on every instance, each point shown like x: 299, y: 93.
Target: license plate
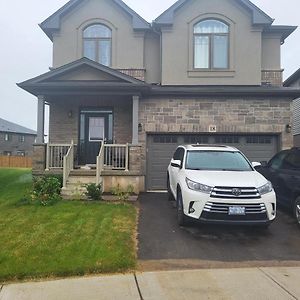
x: 237, y: 210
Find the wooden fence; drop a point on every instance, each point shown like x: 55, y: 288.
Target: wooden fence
x: 15, y: 162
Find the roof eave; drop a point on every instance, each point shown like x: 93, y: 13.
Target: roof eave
x: 53, y: 23
x: 294, y: 77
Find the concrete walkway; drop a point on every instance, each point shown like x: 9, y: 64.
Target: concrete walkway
x: 247, y: 283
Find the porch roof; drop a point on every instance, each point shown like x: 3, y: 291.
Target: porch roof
x: 84, y: 77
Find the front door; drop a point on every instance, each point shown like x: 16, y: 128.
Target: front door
x: 95, y: 135
x: 95, y: 129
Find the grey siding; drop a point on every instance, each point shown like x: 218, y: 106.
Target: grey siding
x: 296, y: 126
x: 14, y: 144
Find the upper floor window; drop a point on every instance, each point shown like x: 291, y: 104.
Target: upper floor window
x: 7, y: 137
x: 97, y: 43
x: 22, y: 138
x: 211, y: 45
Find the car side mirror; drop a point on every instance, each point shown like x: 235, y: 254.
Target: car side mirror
x: 264, y: 164
x: 256, y: 164
x: 176, y: 164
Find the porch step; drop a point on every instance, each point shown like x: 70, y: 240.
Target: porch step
x: 81, y: 179
x: 76, y: 183
x: 81, y: 172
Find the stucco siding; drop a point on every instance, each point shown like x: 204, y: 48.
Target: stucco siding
x: 152, y: 58
x: 245, y: 42
x: 127, y: 45
x: 271, y: 46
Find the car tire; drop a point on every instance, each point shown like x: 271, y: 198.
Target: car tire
x: 296, y: 210
x: 170, y: 195
x: 181, y: 217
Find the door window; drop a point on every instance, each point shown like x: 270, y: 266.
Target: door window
x: 96, y: 129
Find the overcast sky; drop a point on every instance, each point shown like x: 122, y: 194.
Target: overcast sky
x: 25, y: 51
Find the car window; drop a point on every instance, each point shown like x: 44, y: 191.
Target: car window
x: 217, y: 161
x: 178, y: 155
x: 276, y: 162
x: 292, y: 161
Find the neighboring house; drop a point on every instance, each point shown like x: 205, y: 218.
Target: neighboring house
x: 16, y: 140
x: 294, y: 82
x: 205, y: 71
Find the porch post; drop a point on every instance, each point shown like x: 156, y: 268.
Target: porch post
x: 135, y: 120
x: 40, y: 119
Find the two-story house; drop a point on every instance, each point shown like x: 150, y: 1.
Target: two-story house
x: 127, y: 92
x: 16, y: 140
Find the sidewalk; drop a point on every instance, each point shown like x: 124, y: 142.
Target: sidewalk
x: 256, y: 283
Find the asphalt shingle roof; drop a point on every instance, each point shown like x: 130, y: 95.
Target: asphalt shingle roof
x: 6, y: 126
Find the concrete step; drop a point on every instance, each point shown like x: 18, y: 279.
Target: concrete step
x: 81, y: 179
x: 81, y: 172
x: 73, y: 194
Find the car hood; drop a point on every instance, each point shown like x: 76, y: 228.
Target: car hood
x: 227, y: 178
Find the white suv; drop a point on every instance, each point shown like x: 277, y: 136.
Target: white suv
x: 217, y: 184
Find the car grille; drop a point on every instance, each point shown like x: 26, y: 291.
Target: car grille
x: 235, y: 192
x: 220, y: 211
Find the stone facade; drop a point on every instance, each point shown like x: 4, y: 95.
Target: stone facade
x: 233, y: 115
x: 135, y: 159
x: 39, y: 158
x: 64, y: 117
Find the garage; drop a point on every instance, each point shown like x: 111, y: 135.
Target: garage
x: 160, y: 149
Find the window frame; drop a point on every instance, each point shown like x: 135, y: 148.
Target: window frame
x: 211, y: 45
x: 7, y: 137
x: 96, y: 41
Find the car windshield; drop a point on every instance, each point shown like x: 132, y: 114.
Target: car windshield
x: 216, y: 161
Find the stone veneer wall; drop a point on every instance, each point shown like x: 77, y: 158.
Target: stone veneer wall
x: 62, y: 128
x: 234, y: 115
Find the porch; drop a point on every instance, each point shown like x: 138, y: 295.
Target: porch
x: 93, y: 124
x: 115, y: 165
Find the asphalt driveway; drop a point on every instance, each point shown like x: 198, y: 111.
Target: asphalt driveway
x: 160, y: 238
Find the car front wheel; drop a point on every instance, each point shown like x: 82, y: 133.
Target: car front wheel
x: 297, y: 210
x: 170, y: 195
x: 181, y: 217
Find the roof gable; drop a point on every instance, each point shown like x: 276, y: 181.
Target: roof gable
x: 53, y: 23
x: 6, y: 126
x: 258, y: 16
x: 83, y: 69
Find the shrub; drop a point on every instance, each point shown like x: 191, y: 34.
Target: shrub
x: 94, y: 191
x: 122, y: 194
x: 46, y: 190
x: 59, y: 177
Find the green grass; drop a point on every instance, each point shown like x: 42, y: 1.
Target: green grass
x: 69, y: 238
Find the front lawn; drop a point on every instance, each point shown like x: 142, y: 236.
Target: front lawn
x: 69, y: 238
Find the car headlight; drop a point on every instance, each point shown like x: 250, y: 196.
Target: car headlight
x: 196, y: 186
x: 267, y: 188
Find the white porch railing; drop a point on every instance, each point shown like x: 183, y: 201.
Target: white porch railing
x: 55, y: 155
x: 112, y: 157
x: 68, y: 164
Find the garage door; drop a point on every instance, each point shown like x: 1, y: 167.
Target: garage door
x: 160, y: 149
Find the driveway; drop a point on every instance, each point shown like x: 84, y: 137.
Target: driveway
x: 163, y: 244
